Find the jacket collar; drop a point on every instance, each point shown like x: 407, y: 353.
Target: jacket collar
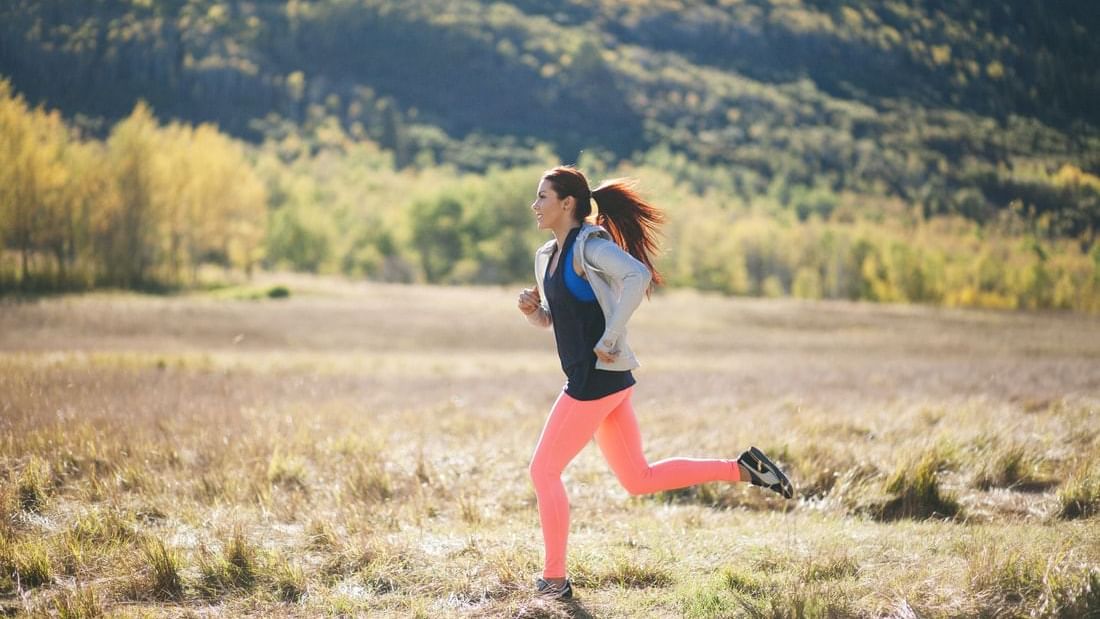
x: 587, y: 229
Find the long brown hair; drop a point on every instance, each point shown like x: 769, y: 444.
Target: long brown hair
x: 633, y: 222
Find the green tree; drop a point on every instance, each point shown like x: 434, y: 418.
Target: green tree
x: 439, y: 234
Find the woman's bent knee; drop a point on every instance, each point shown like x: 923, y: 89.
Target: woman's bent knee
x: 635, y: 485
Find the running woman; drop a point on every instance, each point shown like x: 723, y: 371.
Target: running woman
x: 589, y: 280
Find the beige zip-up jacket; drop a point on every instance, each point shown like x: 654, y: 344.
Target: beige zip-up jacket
x: 618, y: 279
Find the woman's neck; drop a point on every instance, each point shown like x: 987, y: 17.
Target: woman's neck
x: 560, y: 233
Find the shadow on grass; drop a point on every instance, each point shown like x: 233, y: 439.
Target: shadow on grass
x: 553, y: 609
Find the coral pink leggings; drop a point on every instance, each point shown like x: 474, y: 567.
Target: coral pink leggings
x: 570, y: 424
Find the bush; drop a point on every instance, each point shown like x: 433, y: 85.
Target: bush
x: 278, y: 292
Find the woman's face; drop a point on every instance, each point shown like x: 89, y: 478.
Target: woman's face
x: 549, y: 210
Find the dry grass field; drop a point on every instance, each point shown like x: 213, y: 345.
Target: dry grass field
x: 362, y: 450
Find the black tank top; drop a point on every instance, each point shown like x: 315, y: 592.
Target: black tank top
x: 578, y: 325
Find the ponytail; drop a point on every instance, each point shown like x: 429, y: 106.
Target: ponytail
x: 632, y: 222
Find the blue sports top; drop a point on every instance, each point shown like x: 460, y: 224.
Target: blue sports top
x: 576, y: 284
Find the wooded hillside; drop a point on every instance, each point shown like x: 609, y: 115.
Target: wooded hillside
x: 840, y: 111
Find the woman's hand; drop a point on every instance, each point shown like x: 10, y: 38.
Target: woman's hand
x: 529, y: 300
x: 605, y: 352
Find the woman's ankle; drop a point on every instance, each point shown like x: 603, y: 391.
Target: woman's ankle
x: 743, y: 473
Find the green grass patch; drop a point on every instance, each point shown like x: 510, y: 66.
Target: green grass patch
x: 628, y: 572
x: 825, y: 566
x: 743, y: 580
x: 632, y: 574
x: 248, y: 292
x: 707, y: 601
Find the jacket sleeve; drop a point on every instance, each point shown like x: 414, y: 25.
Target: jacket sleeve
x: 619, y: 265
x: 540, y: 317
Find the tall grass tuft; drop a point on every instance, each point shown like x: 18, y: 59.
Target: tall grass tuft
x: 288, y: 579
x: 1032, y: 583
x: 1006, y: 579
x: 635, y: 574
x: 79, y: 603
x: 1079, y: 600
x: 103, y: 527
x: 1068, y: 592
x: 165, y: 582
x: 8, y: 510
x: 917, y: 492
x: 742, y: 580
x: 72, y: 554
x: 26, y: 563
x: 705, y: 601
x: 802, y: 601
x: 321, y: 536
x: 211, y: 487
x: 32, y: 487
x: 234, y: 569
x: 286, y: 472
x: 1011, y: 467
x: 829, y: 566
x: 347, y: 561
x: 423, y: 469
x: 1080, y: 496
x: 133, y: 478
x: 469, y: 508
x: 630, y: 573
x: 7, y: 565
x: 370, y: 482
x: 818, y: 470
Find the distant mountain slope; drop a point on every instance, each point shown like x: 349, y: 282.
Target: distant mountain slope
x: 995, y: 58
x: 962, y: 107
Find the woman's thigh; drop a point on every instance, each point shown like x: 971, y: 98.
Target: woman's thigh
x: 569, y: 427
x: 620, y: 440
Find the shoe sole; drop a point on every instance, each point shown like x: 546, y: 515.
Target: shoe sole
x: 554, y: 594
x: 784, y: 483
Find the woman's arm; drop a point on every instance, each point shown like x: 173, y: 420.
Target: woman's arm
x: 540, y: 318
x: 530, y: 303
x: 617, y: 264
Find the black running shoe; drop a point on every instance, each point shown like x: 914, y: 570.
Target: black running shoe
x: 547, y: 590
x: 765, y: 473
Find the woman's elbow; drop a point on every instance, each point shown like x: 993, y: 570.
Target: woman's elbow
x: 641, y: 276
